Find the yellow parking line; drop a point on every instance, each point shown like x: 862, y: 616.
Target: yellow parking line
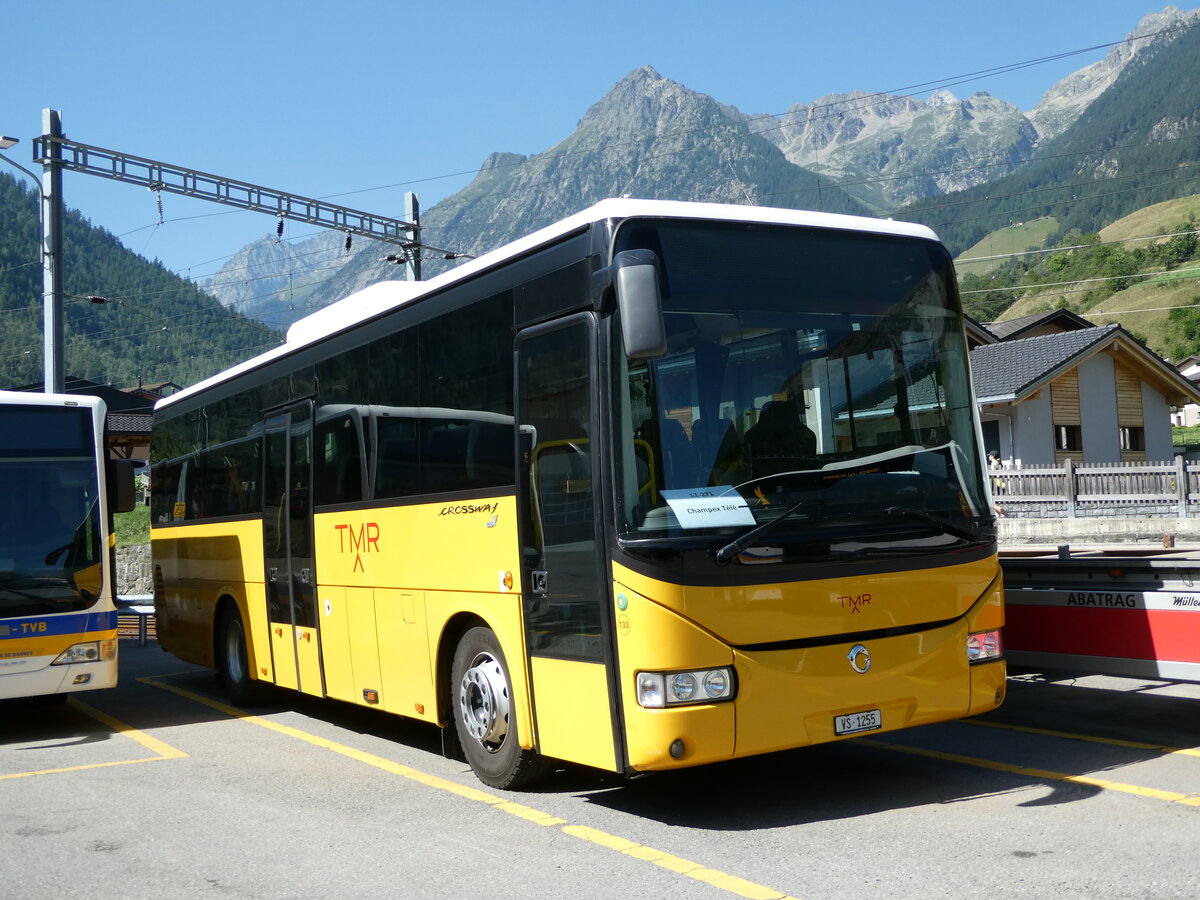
x: 716, y: 878
x: 730, y: 883
x: 153, y: 744
x: 1116, y: 742
x: 1040, y: 774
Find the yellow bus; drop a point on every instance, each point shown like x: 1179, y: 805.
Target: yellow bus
x: 659, y: 485
x: 58, y: 620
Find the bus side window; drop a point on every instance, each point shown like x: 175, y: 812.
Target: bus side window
x: 490, y: 461
x: 193, y: 488
x: 396, y: 462
x: 339, y: 466
x: 165, y: 478
x: 443, y: 455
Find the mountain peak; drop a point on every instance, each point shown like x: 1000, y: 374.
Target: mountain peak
x: 645, y: 101
x: 1067, y: 99
x: 502, y: 160
x: 642, y: 75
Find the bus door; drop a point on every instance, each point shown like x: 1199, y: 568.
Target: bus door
x: 288, y: 549
x: 564, y: 593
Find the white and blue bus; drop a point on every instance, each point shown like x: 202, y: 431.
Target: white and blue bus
x: 58, y: 618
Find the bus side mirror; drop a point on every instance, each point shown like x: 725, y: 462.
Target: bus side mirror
x: 639, y: 300
x: 122, y: 495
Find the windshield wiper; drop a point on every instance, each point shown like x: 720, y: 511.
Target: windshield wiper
x: 951, y: 528
x: 744, y: 540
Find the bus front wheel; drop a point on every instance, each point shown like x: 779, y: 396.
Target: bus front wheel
x: 233, y: 667
x: 483, y: 713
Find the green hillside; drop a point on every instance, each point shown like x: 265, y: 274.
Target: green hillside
x: 1004, y: 243
x: 1151, y: 219
x: 153, y: 325
x: 1150, y: 287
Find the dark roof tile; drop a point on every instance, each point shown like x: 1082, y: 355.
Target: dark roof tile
x: 121, y: 423
x: 1003, y: 370
x: 1062, y: 318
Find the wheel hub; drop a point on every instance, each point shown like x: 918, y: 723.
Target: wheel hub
x: 483, y: 699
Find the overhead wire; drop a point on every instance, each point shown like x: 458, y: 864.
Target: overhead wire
x: 829, y: 109
x: 882, y: 97
x: 1062, y: 249
x: 1100, y: 279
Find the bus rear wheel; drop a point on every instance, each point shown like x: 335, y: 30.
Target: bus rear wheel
x: 233, y: 668
x: 483, y: 719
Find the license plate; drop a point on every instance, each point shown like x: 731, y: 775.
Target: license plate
x: 869, y: 720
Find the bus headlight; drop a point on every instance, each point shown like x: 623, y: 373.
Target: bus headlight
x: 983, y: 646
x: 658, y: 689
x: 92, y: 651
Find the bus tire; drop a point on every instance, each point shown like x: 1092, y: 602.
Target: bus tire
x: 482, y: 705
x: 233, y: 668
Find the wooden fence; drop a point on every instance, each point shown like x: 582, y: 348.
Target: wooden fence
x: 1168, y: 489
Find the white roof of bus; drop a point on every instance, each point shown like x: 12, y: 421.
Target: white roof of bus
x: 31, y: 398
x: 385, y: 295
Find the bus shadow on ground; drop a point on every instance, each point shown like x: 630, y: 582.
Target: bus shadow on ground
x: 47, y: 723
x: 171, y: 709
x: 147, y: 698
x: 816, y: 784
x: 1163, y: 713
x: 832, y: 781
x: 1129, y: 721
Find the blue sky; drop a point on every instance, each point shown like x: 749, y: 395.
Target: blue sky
x: 358, y: 101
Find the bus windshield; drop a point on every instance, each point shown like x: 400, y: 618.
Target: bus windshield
x: 50, y: 544
x: 816, y: 379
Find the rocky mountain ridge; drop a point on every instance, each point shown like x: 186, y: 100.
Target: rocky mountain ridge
x: 1069, y: 97
x: 266, y: 279
x: 650, y: 136
x: 889, y: 151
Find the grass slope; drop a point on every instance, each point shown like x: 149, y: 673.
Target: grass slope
x: 1144, y: 308
x: 1003, y: 242
x: 1152, y: 219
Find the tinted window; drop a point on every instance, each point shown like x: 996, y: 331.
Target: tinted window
x: 442, y: 403
x: 339, y: 468
x: 466, y: 358
x: 565, y: 619
x: 230, y: 419
x: 229, y: 481
x: 165, y: 492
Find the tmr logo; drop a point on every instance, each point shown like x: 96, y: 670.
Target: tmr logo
x: 854, y: 603
x: 358, y: 540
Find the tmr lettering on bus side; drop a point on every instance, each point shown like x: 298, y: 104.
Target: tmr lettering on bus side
x: 364, y: 538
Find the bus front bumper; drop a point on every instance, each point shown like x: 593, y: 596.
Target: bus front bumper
x: 797, y: 697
